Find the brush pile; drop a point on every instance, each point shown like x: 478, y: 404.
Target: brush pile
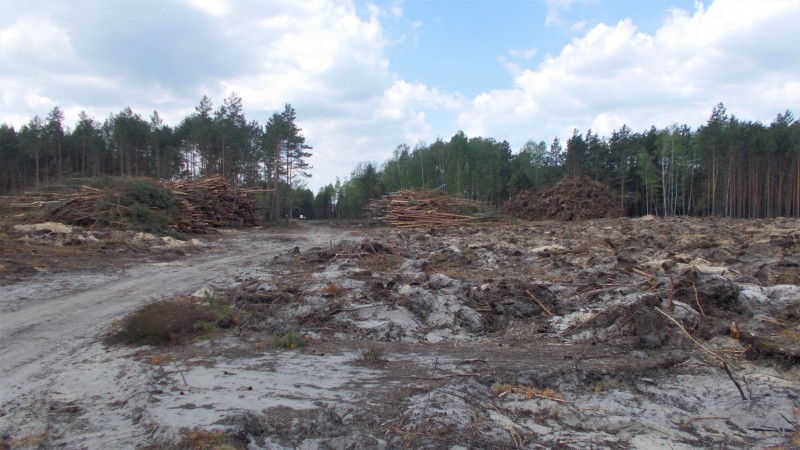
x: 569, y: 200
x: 19, y: 205
x: 184, y: 206
x: 417, y: 209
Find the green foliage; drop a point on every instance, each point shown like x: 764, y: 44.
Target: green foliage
x: 324, y: 202
x: 291, y: 340
x: 727, y: 166
x: 285, y: 154
x: 138, y: 204
x: 205, y: 328
x: 214, y: 302
x: 144, y: 192
x: 477, y: 168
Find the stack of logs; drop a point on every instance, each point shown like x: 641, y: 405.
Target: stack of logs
x: 210, y: 203
x: 414, y: 209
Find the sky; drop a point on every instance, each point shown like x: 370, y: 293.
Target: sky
x: 365, y: 77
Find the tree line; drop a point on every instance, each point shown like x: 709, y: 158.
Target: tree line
x: 727, y: 167
x: 208, y: 141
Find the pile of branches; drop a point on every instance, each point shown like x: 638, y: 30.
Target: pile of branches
x: 203, y: 205
x: 184, y: 206
x: 570, y: 199
x: 417, y: 209
x: 14, y: 205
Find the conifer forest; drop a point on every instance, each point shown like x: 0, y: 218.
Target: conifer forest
x: 728, y: 166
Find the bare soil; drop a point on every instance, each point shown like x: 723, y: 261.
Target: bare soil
x: 534, y: 335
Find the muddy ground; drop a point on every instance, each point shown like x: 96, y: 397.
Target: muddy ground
x: 531, y: 335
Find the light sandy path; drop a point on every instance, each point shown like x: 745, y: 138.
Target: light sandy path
x: 51, y: 357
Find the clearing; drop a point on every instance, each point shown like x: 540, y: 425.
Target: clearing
x: 528, y: 335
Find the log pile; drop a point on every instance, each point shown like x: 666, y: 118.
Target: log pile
x: 210, y: 203
x: 415, y: 209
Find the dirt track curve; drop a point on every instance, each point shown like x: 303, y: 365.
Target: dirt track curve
x: 52, y: 324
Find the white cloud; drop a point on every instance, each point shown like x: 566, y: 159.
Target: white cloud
x: 211, y: 7
x: 525, y: 53
x: 321, y: 56
x: 330, y: 62
x: 334, y: 71
x: 511, y: 65
x: 740, y: 53
x: 34, y: 42
x: 554, y: 10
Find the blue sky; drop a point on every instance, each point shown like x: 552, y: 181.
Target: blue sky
x: 467, y: 45
x: 365, y: 77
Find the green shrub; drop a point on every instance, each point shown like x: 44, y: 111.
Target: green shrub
x: 290, y: 340
x: 215, y: 303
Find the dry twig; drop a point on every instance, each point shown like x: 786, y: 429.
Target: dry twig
x: 721, y: 359
x: 697, y: 300
x: 547, y: 311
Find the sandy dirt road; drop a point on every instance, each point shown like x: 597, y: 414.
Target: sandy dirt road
x: 51, y: 329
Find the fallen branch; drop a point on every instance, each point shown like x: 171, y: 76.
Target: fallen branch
x: 695, y: 419
x: 724, y: 363
x: 539, y: 303
x: 181, y: 372
x: 608, y: 288
x: 697, y: 300
x: 531, y: 394
x: 440, y: 377
x: 125, y: 402
x: 338, y: 310
x: 772, y: 429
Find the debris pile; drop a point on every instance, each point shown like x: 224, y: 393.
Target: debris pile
x: 211, y: 203
x: 18, y: 205
x: 196, y: 206
x: 417, y: 209
x: 569, y: 200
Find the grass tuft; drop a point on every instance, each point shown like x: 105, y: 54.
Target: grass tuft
x: 372, y: 355
x: 162, y: 323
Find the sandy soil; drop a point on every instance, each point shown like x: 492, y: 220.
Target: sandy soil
x: 540, y: 335
x: 52, y: 325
